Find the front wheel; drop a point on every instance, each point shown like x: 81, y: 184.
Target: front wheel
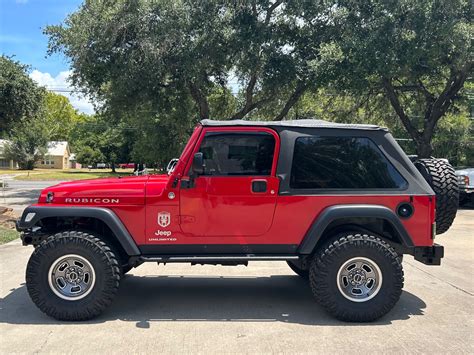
x: 72, y: 276
x: 356, y: 278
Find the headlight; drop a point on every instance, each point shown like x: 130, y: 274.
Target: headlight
x: 30, y: 216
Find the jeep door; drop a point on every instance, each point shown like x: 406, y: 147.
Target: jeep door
x: 236, y: 193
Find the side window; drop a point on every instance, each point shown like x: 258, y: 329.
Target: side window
x: 341, y: 163
x: 228, y: 154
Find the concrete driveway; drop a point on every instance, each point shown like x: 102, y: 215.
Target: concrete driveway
x: 263, y: 308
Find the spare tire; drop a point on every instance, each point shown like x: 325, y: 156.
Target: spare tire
x: 442, y: 179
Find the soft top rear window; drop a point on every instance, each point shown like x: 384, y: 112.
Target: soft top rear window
x: 342, y: 163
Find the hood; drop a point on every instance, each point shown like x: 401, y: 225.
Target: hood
x: 101, y: 192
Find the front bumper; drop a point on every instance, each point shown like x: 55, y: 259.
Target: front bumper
x: 429, y: 255
x: 19, y: 227
x: 30, y: 232
x: 27, y: 220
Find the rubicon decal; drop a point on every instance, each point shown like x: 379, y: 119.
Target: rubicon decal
x: 164, y: 219
x: 92, y: 200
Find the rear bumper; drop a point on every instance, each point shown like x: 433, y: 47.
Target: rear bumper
x: 429, y: 255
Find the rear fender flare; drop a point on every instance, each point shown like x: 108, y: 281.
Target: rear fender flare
x: 104, y: 214
x: 333, y: 213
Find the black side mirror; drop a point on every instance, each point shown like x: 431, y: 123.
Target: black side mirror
x: 198, y: 164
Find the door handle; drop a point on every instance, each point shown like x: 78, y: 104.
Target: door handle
x: 259, y: 186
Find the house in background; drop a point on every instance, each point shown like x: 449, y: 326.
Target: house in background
x: 57, y: 156
x: 6, y: 163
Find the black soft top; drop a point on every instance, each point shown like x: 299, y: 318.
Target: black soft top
x: 307, y: 123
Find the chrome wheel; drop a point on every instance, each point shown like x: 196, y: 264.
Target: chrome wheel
x: 71, y: 277
x: 359, y: 279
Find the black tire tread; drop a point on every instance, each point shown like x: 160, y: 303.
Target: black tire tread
x: 87, y: 240
x: 443, y: 180
x: 322, y: 262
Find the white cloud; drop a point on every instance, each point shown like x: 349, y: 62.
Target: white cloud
x: 60, y: 85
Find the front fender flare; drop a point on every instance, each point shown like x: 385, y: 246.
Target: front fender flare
x: 333, y: 213
x: 104, y: 214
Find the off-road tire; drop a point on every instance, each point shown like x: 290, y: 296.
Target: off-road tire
x: 96, y: 252
x: 296, y: 267
x: 331, y: 257
x: 443, y: 180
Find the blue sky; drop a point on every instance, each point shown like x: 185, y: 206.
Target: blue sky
x: 21, y: 35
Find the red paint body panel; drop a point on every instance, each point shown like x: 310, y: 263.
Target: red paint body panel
x: 226, y: 206
x: 221, y: 209
x: 128, y: 190
x: 295, y: 214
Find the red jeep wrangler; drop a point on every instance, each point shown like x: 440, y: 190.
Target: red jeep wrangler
x: 340, y: 203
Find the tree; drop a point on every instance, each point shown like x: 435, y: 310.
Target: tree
x: 28, y: 140
x: 88, y: 156
x: 61, y: 116
x: 417, y: 53
x: 20, y: 97
x: 98, y: 139
x: 134, y: 53
x: 21, y: 114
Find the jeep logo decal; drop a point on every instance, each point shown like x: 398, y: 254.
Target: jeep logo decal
x: 164, y: 219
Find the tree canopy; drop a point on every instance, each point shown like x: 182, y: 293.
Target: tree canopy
x: 415, y: 54
x: 20, y: 97
x: 158, y: 66
x: 133, y: 52
x: 61, y: 116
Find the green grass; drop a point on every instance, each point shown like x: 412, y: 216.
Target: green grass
x: 7, y: 235
x: 70, y: 174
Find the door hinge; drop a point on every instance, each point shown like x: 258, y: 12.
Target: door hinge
x: 186, y: 219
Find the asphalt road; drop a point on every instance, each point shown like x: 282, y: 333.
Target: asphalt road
x: 19, y: 194
x: 262, y: 308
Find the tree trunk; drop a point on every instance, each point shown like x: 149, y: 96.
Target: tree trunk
x: 436, y: 107
x: 424, y: 149
x: 292, y: 100
x: 201, y: 101
x: 112, y: 165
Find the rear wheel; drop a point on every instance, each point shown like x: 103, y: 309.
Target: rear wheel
x: 72, y: 276
x: 356, y: 278
x: 297, y: 267
x: 442, y: 179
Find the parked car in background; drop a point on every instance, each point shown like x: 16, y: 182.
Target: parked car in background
x: 466, y: 185
x: 101, y: 166
x: 127, y: 166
